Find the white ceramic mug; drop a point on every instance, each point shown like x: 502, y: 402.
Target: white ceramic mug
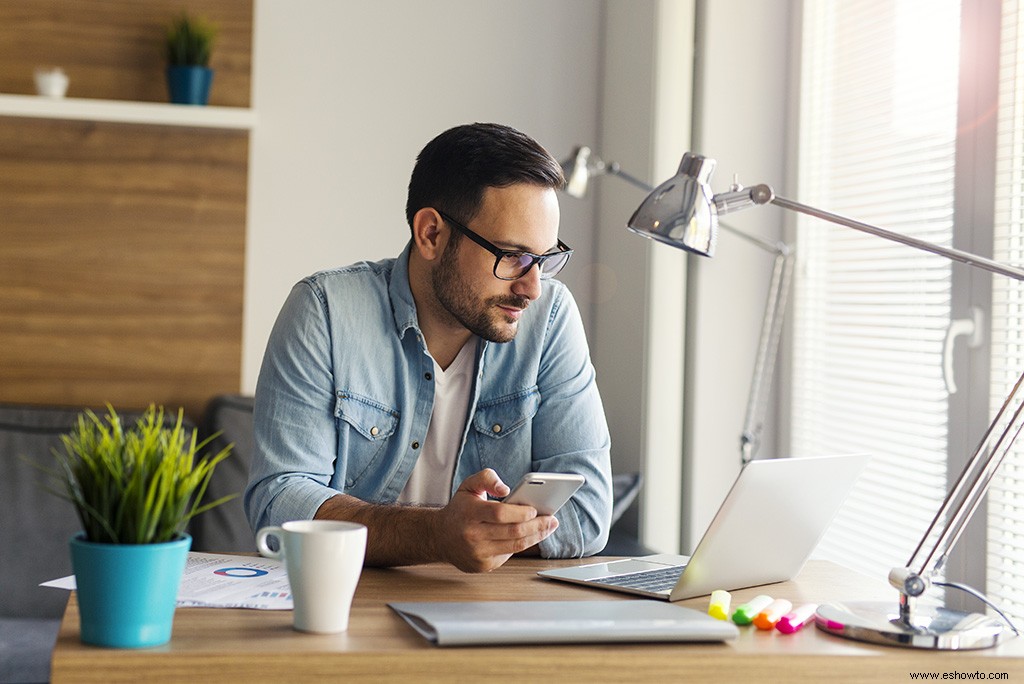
x: 323, y: 559
x: 51, y: 82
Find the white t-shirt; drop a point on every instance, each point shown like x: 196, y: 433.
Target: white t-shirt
x: 431, y: 479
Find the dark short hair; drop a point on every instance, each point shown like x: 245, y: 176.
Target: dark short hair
x: 454, y: 169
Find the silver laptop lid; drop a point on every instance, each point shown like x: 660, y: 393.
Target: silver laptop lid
x: 770, y: 522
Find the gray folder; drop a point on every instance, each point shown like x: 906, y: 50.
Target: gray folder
x: 546, y: 622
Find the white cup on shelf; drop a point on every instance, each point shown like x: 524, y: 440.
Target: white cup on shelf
x: 51, y: 82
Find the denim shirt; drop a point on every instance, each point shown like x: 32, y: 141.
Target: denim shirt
x: 346, y: 390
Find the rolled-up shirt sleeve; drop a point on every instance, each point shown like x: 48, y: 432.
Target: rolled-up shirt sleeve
x: 294, y: 427
x: 570, y: 434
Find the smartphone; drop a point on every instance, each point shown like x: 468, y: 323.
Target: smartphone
x: 547, y: 492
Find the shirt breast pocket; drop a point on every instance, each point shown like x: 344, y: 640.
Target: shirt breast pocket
x: 502, y: 431
x: 364, y: 428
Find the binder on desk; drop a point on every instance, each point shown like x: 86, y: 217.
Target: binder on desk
x: 546, y: 622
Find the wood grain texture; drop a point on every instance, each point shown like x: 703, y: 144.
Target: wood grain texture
x: 121, y: 263
x: 251, y: 645
x: 113, y: 49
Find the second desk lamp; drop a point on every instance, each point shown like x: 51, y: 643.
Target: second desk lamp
x: 583, y: 164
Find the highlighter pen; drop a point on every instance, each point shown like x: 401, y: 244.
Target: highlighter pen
x: 719, y: 606
x: 792, y: 622
x: 746, y: 612
x: 768, y: 617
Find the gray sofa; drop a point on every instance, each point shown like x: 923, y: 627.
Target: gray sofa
x: 35, y: 527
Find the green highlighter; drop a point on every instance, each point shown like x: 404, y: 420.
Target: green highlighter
x: 746, y: 612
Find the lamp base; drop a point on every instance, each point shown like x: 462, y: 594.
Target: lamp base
x: 933, y: 627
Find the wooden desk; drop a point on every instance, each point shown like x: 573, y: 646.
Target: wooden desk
x: 249, y: 645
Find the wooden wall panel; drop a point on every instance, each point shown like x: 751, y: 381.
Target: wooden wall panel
x: 121, y: 263
x: 113, y: 49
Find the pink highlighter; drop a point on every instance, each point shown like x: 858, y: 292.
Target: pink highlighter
x: 793, y: 621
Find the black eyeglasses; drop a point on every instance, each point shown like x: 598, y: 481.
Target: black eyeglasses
x: 514, y: 264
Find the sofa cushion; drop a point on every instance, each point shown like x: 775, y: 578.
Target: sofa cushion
x: 36, y: 525
x: 225, y: 529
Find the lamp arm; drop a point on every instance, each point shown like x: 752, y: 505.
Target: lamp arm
x: 778, y: 248
x: 974, y: 480
x: 971, y: 486
x: 763, y: 194
x: 616, y: 170
x: 767, y: 349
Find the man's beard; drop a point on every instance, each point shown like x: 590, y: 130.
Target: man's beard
x: 456, y: 297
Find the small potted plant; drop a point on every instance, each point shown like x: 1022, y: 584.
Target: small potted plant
x: 135, y: 488
x: 189, y: 42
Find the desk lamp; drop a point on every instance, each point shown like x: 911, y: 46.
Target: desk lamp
x: 683, y: 212
x: 583, y: 164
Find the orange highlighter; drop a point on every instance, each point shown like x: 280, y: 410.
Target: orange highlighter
x: 770, y: 616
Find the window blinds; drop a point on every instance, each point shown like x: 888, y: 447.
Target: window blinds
x: 1005, y: 548
x: 877, y: 136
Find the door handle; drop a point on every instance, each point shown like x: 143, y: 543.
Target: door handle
x: 973, y: 329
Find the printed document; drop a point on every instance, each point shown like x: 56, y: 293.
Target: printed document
x: 214, y: 580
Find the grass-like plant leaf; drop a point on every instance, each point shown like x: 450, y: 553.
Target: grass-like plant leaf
x: 139, y: 484
x: 189, y: 41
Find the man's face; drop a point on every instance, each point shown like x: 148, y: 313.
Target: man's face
x: 519, y: 217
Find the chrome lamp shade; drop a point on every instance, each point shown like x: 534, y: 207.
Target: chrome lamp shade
x: 681, y: 211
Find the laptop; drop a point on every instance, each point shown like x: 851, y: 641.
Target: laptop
x: 765, y: 530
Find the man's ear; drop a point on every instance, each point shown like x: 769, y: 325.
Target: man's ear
x: 429, y: 233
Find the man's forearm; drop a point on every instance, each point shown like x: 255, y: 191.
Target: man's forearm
x: 397, y: 535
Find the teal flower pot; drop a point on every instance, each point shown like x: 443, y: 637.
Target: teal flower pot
x: 189, y: 84
x: 127, y: 592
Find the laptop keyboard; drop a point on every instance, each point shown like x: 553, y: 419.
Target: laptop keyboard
x: 647, y: 580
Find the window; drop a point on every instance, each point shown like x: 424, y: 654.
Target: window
x: 896, y: 129
x: 1005, y: 551
x: 870, y: 315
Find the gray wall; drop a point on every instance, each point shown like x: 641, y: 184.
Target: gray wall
x: 348, y: 92
x: 342, y: 117
x: 742, y: 94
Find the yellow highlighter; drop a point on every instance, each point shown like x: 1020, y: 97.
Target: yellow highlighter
x: 746, y: 612
x: 718, y: 607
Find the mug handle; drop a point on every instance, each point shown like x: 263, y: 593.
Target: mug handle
x: 261, y: 541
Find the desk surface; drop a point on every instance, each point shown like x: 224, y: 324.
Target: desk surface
x: 256, y: 645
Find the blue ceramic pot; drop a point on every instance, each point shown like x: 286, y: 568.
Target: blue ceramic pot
x: 189, y: 84
x: 127, y: 592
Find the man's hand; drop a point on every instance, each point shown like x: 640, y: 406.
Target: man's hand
x: 478, y: 535
x: 471, y: 532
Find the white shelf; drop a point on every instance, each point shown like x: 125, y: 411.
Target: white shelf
x: 122, y: 111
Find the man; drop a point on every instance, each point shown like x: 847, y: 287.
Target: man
x: 404, y: 394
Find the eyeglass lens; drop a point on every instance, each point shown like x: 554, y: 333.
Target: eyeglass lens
x: 512, y: 266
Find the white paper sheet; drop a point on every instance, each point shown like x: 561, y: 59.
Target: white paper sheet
x: 213, y: 580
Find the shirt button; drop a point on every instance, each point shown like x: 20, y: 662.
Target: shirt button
x: 428, y: 376
x: 496, y: 428
x: 415, y: 445
x: 374, y: 430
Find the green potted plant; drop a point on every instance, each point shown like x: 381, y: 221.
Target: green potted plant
x: 135, y: 488
x: 189, y: 42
